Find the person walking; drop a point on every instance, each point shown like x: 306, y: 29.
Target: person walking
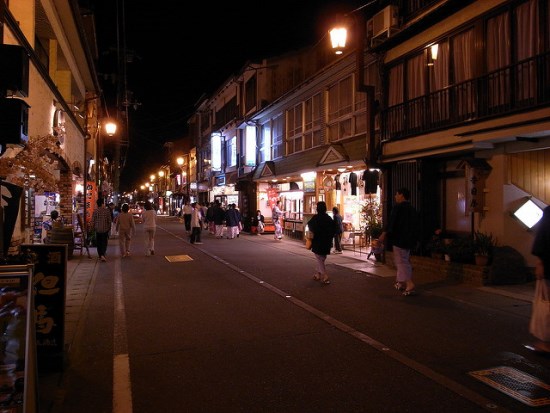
x: 125, y: 228
x: 101, y: 223
x: 149, y: 219
x: 258, y: 223
x: 204, y: 210
x: 277, y: 217
x: 210, y: 219
x: 323, y: 229
x: 196, y: 223
x: 232, y: 219
x: 539, y: 325
x: 115, y: 210
x: 187, y: 211
x: 338, y: 222
x: 218, y: 215
x: 402, y: 232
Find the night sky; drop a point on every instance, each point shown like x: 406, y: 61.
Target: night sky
x: 182, y: 52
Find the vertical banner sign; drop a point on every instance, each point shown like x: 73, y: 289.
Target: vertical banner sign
x: 91, y: 199
x: 475, y: 182
x: 272, y: 197
x: 49, y: 282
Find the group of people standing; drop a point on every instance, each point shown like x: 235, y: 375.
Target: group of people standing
x: 213, y: 217
x: 103, y: 218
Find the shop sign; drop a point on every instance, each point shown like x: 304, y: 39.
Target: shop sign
x: 272, y: 197
x: 91, y: 199
x: 475, y: 184
x: 49, y: 282
x: 309, y: 186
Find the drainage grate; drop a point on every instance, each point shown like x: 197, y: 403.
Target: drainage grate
x: 178, y: 258
x: 517, y: 384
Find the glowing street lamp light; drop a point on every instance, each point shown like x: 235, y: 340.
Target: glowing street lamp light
x: 338, y: 38
x: 110, y: 128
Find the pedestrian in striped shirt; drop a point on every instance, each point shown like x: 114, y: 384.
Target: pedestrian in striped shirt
x: 101, y: 223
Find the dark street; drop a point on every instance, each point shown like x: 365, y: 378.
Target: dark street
x: 240, y: 326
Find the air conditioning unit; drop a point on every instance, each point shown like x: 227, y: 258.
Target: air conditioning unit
x: 14, y: 121
x: 383, y: 24
x: 14, y: 71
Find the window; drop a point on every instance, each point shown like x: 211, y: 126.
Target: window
x: 294, y: 134
x: 463, y: 69
x: 250, y: 88
x: 278, y: 147
x: 312, y: 122
x: 340, y: 108
x: 438, y: 81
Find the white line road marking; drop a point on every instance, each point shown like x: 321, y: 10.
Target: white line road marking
x: 122, y: 386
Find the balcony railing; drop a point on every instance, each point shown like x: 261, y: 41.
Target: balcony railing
x: 515, y: 88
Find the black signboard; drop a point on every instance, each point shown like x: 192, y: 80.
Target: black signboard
x: 49, y: 283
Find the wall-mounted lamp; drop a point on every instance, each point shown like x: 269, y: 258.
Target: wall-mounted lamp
x: 529, y: 213
x: 432, y: 54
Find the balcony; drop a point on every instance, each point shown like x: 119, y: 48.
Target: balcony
x: 520, y: 87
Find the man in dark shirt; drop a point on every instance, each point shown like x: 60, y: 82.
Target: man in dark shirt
x: 402, y: 232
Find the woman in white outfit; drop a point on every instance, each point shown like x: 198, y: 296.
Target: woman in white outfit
x: 277, y: 217
x: 149, y: 218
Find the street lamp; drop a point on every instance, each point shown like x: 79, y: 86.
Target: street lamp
x: 110, y: 128
x: 161, y: 186
x: 338, y: 36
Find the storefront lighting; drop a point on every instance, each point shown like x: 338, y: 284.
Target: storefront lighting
x: 529, y: 213
x: 308, y: 176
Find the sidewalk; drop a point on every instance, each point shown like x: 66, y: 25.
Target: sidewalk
x: 358, y: 261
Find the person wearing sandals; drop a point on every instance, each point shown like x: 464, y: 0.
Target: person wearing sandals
x: 401, y: 232
x: 125, y: 227
x: 149, y: 219
x: 323, y: 229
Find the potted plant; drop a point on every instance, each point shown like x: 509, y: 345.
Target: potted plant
x: 436, y: 246
x: 461, y: 250
x: 483, y: 247
x: 372, y: 217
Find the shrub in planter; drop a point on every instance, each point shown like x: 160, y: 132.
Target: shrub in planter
x: 461, y: 250
x: 484, y: 244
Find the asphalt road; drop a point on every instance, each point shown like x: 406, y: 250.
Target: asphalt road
x: 240, y: 326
